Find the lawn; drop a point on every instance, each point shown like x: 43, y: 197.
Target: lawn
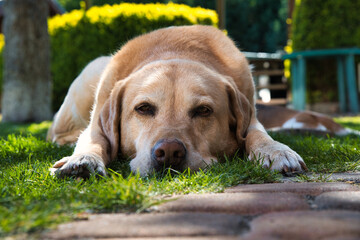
x: 32, y: 200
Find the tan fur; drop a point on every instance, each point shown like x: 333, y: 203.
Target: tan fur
x: 274, y: 118
x: 176, y: 70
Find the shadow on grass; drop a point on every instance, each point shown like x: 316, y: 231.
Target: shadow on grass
x: 350, y: 122
x: 38, y: 130
x: 120, y: 165
x: 23, y: 143
x: 351, y: 125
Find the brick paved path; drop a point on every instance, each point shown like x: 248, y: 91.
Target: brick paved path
x: 265, y: 211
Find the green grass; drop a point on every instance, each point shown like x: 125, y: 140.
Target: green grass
x: 350, y: 122
x: 326, y: 154
x: 31, y: 200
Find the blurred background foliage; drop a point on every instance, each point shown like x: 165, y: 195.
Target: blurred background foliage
x: 255, y: 25
x: 322, y: 24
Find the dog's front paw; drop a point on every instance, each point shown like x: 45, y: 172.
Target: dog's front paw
x: 280, y: 157
x: 79, y: 165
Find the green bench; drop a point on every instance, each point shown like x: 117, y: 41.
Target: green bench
x: 346, y: 76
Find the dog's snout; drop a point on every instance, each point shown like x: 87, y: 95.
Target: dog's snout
x: 169, y: 152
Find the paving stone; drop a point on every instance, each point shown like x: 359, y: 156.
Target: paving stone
x: 178, y: 238
x: 164, y: 225
x: 352, y: 177
x: 343, y: 238
x: 238, y: 203
x: 307, y: 188
x: 338, y: 200
x: 306, y: 225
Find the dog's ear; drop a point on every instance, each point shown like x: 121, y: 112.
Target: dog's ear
x: 240, y: 110
x: 110, y: 116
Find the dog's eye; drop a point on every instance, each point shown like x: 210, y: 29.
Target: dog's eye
x: 202, y: 111
x: 145, y: 109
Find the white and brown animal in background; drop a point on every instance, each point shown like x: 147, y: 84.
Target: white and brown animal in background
x: 177, y: 97
x: 277, y: 119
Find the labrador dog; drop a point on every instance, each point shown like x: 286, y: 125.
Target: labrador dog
x: 177, y: 97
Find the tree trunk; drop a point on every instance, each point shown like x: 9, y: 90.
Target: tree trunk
x: 27, y: 82
x: 88, y: 4
x: 221, y: 11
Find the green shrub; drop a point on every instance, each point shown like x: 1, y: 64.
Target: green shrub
x: 320, y: 24
x: 255, y: 25
x: 75, y: 4
x: 78, y: 37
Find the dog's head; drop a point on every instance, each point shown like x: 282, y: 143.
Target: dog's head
x: 177, y: 114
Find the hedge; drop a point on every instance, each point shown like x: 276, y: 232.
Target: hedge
x: 255, y: 25
x: 320, y: 24
x: 326, y: 24
x: 78, y: 37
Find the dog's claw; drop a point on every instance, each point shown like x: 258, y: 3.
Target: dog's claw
x: 303, y: 166
x: 280, y: 157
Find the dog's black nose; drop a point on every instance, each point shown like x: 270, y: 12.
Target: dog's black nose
x: 169, y: 152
